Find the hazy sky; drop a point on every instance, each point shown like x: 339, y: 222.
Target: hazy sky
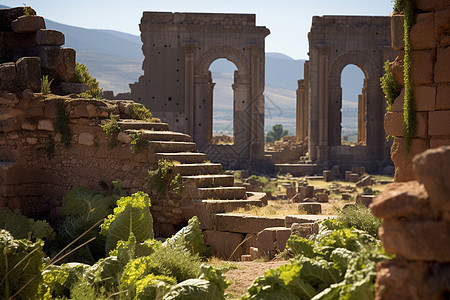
x: 288, y: 20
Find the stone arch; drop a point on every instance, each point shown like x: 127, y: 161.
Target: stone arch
x: 335, y: 42
x: 226, y: 52
x: 178, y: 49
x: 371, y: 75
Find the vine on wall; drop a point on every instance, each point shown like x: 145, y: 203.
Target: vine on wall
x: 409, y: 111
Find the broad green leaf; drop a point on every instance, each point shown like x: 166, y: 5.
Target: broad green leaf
x: 189, y: 237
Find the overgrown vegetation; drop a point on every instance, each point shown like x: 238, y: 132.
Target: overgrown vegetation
x: 62, y: 123
x: 83, y: 76
x: 390, y: 87
x: 28, y: 11
x: 138, y: 142
x: 276, y: 133
x: 338, y: 263
x: 359, y: 217
x: 136, y: 267
x: 163, y: 179
x: 112, y: 130
x: 409, y: 109
x: 45, y: 85
x: 140, y: 112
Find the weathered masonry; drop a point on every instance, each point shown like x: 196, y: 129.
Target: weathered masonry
x: 334, y: 43
x: 177, y: 85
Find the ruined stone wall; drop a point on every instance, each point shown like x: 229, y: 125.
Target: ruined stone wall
x: 430, y: 73
x: 28, y: 49
x: 37, y: 169
x: 416, y: 228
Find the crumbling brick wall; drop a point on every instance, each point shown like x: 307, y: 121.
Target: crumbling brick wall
x: 430, y: 70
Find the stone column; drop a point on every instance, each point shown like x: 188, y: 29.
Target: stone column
x: 323, y: 104
x: 189, y: 91
x: 241, y: 115
x: 211, y: 101
x: 302, y: 112
x: 257, y: 102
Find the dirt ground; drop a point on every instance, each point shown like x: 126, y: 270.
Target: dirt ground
x: 242, y: 277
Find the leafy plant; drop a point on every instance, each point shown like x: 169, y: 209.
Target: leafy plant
x: 189, y: 238
x: 132, y: 215
x: 163, y: 178
x: 62, y: 123
x: 112, y: 130
x: 138, y: 142
x: 84, y: 208
x: 82, y: 75
x: 276, y: 134
x: 210, y: 285
x: 390, y: 87
x: 22, y: 227
x: 339, y: 263
x: 45, y: 85
x: 20, y: 267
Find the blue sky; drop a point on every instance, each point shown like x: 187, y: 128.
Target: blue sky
x: 288, y: 20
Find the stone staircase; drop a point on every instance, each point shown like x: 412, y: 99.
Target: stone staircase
x: 205, y: 178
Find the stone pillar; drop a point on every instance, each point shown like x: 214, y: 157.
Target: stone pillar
x: 302, y: 112
x: 210, y: 100
x: 189, y: 91
x: 257, y: 102
x: 242, y: 115
x: 323, y: 104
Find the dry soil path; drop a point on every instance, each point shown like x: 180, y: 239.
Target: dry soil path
x: 242, y: 277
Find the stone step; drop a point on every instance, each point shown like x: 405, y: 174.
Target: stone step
x: 126, y: 124
x: 163, y: 135
x: 245, y: 223
x: 197, y: 169
x: 183, y: 157
x: 206, y: 209
x: 171, y: 147
x: 203, y: 181
x: 223, y: 193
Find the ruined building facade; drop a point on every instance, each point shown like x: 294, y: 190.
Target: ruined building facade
x: 177, y: 86
x: 334, y: 43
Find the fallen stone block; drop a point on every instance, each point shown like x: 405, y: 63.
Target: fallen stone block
x: 291, y: 219
x: 244, y: 223
x: 298, y: 198
x: 322, y: 198
x: 224, y: 245
x: 304, y: 230
x: 306, y: 191
x: 312, y: 208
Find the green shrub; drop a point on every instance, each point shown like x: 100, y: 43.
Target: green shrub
x: 22, y: 227
x: 140, y: 112
x: 28, y: 11
x: 112, y: 130
x: 360, y: 217
x: 164, y: 180
x: 83, y: 76
x: 45, y: 85
x: 62, y: 123
x: 138, y: 142
x: 390, y: 87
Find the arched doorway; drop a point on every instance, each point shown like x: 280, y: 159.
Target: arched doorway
x: 353, y: 108
x: 222, y: 78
